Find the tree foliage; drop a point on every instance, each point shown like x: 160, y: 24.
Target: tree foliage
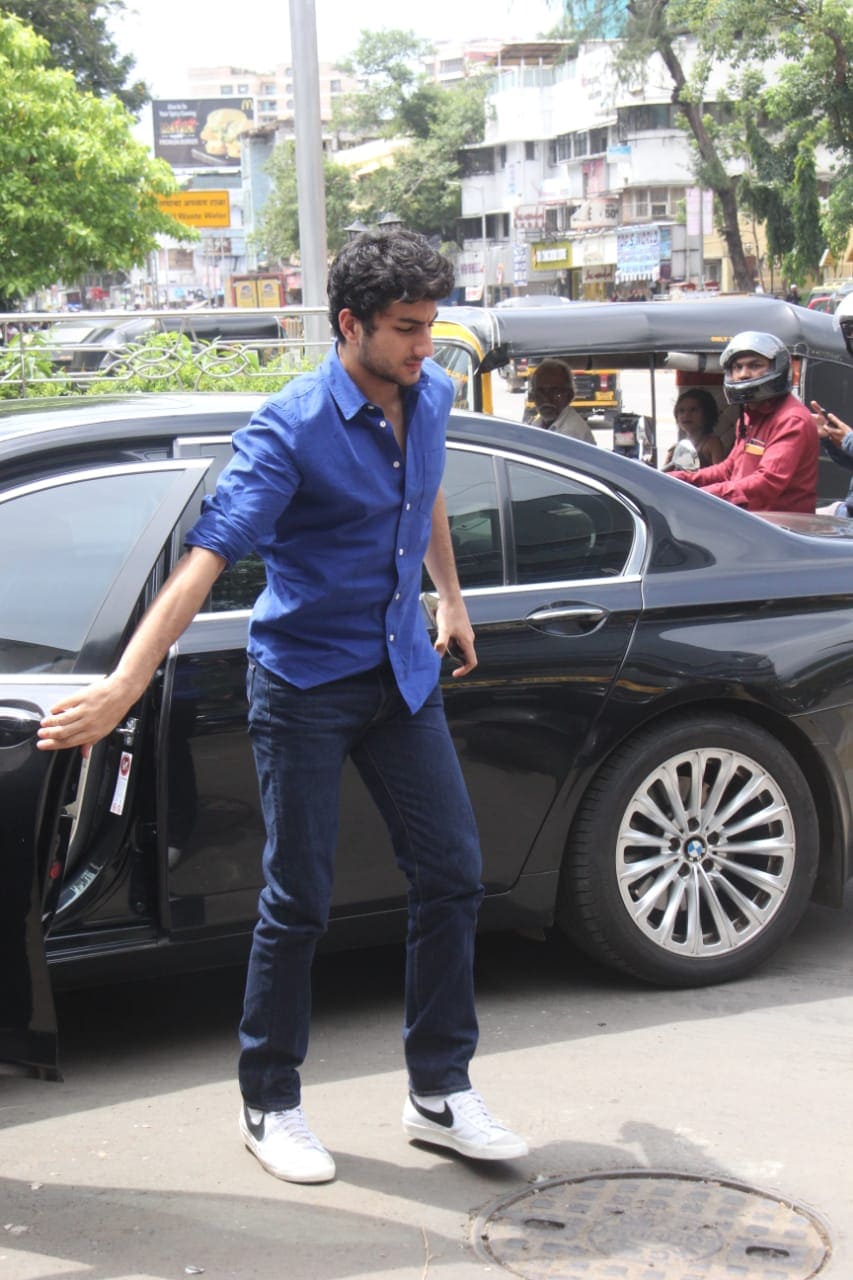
x: 79, y: 40
x: 79, y: 193
x: 394, y: 96
x: 277, y: 234
x: 807, y: 102
x: 421, y: 181
x: 790, y: 91
x: 421, y: 184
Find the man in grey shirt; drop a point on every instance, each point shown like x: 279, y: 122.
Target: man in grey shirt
x: 553, y: 389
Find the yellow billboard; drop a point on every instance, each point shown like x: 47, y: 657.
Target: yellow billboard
x: 198, y: 208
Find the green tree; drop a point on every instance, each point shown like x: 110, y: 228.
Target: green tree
x: 804, y: 259
x: 806, y: 42
x: 277, y: 234
x: 80, y: 42
x: 659, y: 27
x: 421, y: 184
x: 394, y: 97
x: 78, y: 193
x: 808, y: 100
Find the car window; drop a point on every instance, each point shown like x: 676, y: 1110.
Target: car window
x: 65, y: 545
x: 564, y: 529
x: 471, y: 495
x: 238, y: 586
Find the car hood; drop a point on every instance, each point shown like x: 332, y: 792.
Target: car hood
x: 816, y: 526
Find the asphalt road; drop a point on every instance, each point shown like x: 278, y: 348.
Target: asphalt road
x: 132, y: 1168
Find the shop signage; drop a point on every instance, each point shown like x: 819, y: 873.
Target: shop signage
x: 198, y: 208
x: 637, y: 253
x: 595, y: 213
x: 555, y: 255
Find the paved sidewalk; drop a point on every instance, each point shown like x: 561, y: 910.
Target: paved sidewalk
x: 133, y: 1168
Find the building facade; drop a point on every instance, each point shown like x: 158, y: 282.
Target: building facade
x: 584, y: 184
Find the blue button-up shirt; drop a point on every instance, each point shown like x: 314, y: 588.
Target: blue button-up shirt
x: 319, y: 488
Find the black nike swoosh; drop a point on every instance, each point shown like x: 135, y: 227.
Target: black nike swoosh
x: 444, y: 1118
x: 256, y: 1128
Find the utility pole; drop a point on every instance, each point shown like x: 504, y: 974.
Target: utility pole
x: 311, y: 193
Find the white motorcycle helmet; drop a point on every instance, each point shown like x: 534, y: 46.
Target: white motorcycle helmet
x: 777, y: 380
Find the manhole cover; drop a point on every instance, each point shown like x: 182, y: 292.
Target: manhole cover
x: 638, y: 1225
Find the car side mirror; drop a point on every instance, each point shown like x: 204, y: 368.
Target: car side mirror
x: 685, y: 457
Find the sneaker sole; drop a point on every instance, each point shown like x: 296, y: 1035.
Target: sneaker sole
x: 441, y: 1138
x: 277, y: 1171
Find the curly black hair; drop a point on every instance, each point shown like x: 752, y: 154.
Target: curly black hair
x: 378, y: 268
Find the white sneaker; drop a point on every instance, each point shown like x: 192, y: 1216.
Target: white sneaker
x: 463, y: 1122
x: 285, y: 1145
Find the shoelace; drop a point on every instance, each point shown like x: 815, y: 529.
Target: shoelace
x: 474, y: 1110
x: 295, y: 1126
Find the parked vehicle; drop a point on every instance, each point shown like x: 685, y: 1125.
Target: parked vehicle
x: 656, y: 739
x: 683, y: 336
x: 818, y: 298
x: 92, y: 343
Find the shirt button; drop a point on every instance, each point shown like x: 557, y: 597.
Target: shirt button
x: 397, y: 596
x: 391, y: 638
x: 408, y: 506
x: 383, y: 423
x: 396, y: 464
x: 401, y: 552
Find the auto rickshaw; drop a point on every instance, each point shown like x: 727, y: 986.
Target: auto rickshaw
x: 472, y: 342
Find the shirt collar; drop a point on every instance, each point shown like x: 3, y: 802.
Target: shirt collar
x: 349, y: 398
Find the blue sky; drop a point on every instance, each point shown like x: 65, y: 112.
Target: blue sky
x: 167, y: 36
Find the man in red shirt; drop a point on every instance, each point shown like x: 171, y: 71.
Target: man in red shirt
x: 773, y: 463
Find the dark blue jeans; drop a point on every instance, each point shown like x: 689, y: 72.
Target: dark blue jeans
x: 301, y: 739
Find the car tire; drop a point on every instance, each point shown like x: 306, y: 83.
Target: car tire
x: 693, y: 854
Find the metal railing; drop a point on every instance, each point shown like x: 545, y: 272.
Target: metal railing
x: 229, y: 348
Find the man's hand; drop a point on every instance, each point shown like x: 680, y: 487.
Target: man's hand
x: 456, y: 635
x: 84, y: 718
x: 829, y: 425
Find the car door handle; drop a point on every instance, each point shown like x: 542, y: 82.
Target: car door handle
x: 17, y: 725
x: 586, y: 616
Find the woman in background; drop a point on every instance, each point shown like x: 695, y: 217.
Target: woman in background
x: 696, y: 415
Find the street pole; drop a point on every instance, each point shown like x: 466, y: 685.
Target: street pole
x: 484, y: 243
x: 311, y: 194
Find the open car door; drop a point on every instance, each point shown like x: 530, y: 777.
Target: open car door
x: 79, y: 548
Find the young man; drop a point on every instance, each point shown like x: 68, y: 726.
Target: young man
x: 773, y: 462
x: 553, y: 390
x: 335, y: 482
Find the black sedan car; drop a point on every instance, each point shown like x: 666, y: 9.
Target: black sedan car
x: 656, y: 740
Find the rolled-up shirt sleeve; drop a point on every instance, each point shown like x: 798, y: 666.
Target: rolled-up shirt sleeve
x: 252, y: 492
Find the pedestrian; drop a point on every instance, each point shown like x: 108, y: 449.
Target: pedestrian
x: 553, y: 389
x: 335, y: 482
x: 773, y: 463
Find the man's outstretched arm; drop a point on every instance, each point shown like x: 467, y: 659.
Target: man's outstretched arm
x: 84, y: 718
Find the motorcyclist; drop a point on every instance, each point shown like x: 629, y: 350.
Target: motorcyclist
x: 774, y: 461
